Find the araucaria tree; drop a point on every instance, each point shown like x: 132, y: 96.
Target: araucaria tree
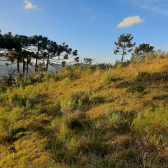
x: 142, y: 49
x: 124, y: 42
x: 24, y: 49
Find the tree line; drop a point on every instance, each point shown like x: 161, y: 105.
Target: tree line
x: 24, y: 49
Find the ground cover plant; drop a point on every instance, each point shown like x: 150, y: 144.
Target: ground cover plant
x: 97, y: 116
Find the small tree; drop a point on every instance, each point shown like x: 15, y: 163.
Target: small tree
x: 88, y: 61
x: 124, y: 42
x: 143, y: 48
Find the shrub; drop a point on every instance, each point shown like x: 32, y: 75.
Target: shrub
x: 93, y: 99
x: 143, y: 76
x: 56, y: 78
x: 76, y: 95
x: 3, y: 89
x: 55, y: 124
x: 117, y: 121
x: 17, y: 100
x: 5, y: 128
x: 88, y: 71
x: 68, y: 106
x: 109, y: 78
x: 119, y: 64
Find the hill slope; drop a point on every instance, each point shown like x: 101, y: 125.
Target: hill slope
x: 88, y: 118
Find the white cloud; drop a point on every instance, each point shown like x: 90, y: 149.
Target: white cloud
x: 129, y: 21
x: 29, y: 5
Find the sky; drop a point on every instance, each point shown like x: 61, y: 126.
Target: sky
x: 89, y: 26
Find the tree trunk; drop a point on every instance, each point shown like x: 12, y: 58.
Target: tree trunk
x: 122, y: 57
x: 36, y: 65
x: 47, y: 63
x: 23, y: 66
x: 37, y: 56
x: 17, y: 65
x: 27, y: 65
x: 123, y: 53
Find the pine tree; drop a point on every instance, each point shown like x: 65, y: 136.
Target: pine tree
x: 124, y: 42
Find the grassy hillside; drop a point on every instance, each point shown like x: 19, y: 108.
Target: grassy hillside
x: 88, y: 118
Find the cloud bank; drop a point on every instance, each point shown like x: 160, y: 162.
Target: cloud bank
x: 129, y: 21
x: 29, y: 5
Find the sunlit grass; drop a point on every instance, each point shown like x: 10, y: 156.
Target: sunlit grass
x: 88, y: 117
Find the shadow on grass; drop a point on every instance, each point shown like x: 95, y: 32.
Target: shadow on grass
x: 161, y: 97
x: 157, y: 76
x: 148, y: 78
x: 133, y: 87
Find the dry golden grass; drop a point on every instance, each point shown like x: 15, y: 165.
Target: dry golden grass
x: 115, y: 88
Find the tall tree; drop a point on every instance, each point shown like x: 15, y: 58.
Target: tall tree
x: 60, y: 54
x: 13, y: 45
x: 22, y: 49
x: 36, y: 44
x: 124, y: 42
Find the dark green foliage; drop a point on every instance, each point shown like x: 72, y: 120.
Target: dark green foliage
x: 161, y: 97
x: 18, y: 100
x: 143, y: 48
x: 121, y: 64
x: 101, y: 66
x: 75, y: 124
x: 88, y: 61
x: 136, y: 88
x: 87, y: 97
x: 146, y: 76
x: 97, y: 148
x: 3, y: 89
x: 30, y: 81
x: 20, y: 50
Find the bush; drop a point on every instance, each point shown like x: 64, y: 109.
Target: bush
x: 5, y: 129
x: 55, y: 124
x: 117, y: 121
x: 119, y: 64
x: 17, y: 100
x: 68, y: 106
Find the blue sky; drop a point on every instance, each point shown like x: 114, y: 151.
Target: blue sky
x: 90, y: 26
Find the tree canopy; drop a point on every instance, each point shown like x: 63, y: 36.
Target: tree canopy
x: 124, y: 42
x: 36, y: 51
x: 143, y: 48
